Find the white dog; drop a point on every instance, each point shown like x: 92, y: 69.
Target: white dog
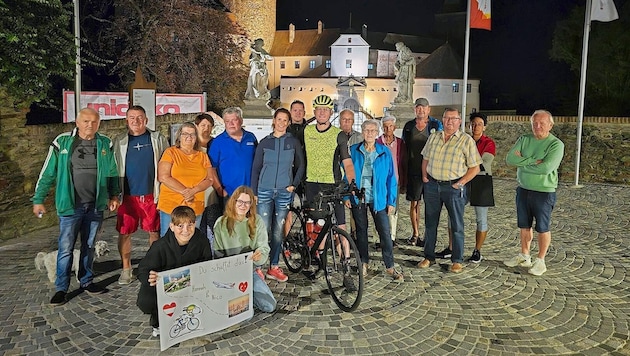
x: 49, y: 260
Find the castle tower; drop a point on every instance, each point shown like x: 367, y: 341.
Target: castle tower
x: 257, y: 17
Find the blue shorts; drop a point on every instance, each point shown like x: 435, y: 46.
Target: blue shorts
x: 532, y: 205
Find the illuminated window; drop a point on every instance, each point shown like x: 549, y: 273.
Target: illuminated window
x: 348, y: 63
x: 455, y: 87
x: 311, y: 64
x: 297, y: 64
x: 436, y: 87
x: 328, y: 63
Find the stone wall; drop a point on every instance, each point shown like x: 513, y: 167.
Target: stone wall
x: 605, y: 157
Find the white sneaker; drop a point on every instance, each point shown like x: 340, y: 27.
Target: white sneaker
x: 519, y: 260
x: 156, y: 332
x: 538, y: 268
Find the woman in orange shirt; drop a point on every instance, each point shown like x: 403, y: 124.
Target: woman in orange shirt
x: 185, y: 173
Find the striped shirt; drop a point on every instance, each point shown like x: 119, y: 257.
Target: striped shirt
x: 450, y: 160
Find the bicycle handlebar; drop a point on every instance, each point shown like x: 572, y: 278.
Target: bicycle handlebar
x: 338, y: 193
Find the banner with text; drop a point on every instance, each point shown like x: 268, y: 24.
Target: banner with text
x: 114, y: 105
x: 203, y: 298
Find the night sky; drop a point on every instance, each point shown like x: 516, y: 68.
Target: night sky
x: 512, y: 60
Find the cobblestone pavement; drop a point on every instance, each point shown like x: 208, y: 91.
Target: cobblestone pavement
x: 581, y: 306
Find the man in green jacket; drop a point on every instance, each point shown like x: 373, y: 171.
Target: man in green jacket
x: 537, y: 157
x: 82, y: 165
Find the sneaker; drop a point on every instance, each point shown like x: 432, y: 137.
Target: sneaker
x: 445, y: 253
x: 396, y: 276
x: 425, y: 263
x: 276, y: 273
x: 94, y: 288
x: 259, y: 273
x: 476, y: 257
x: 365, y: 270
x: 348, y: 283
x: 420, y: 242
x: 456, y: 267
x: 59, y: 298
x: 519, y: 260
x: 538, y: 267
x: 126, y: 276
x: 155, y: 332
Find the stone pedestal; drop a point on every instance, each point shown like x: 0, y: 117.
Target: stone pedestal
x: 256, y: 109
x: 403, y: 112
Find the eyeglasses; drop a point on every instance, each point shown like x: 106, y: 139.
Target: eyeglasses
x: 243, y: 202
x: 189, y: 135
x: 370, y: 131
x: 451, y: 118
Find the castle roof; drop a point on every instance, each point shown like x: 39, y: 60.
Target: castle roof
x: 444, y: 62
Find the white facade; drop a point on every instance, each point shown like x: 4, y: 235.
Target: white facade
x: 380, y: 93
x: 349, y: 56
x: 292, y: 66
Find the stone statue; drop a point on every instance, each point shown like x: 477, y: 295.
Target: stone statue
x: 258, y: 74
x: 405, y: 69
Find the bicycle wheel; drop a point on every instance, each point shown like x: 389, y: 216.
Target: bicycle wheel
x: 343, y: 270
x: 193, y: 323
x: 175, y: 330
x: 294, y: 249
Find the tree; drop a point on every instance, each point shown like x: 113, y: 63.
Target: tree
x: 36, y: 46
x: 608, y: 69
x: 185, y: 47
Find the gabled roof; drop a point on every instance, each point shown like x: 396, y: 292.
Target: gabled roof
x: 444, y: 62
x: 358, y: 40
x: 305, y: 43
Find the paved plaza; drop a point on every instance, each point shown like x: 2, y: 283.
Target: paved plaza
x: 581, y: 306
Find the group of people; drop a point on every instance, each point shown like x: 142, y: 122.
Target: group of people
x: 167, y: 191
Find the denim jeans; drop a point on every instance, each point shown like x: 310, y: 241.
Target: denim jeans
x: 263, y: 297
x: 165, y: 221
x: 86, y: 222
x: 435, y: 195
x: 381, y: 220
x: 273, y: 206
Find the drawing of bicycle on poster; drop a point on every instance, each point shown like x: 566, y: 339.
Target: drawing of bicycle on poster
x: 203, y: 298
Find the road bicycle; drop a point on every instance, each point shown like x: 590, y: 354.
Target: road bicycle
x: 185, y: 321
x: 339, y: 258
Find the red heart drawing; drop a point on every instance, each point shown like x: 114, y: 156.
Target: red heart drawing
x: 242, y: 286
x: 169, y: 308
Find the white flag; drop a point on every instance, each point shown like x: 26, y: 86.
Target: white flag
x: 604, y: 11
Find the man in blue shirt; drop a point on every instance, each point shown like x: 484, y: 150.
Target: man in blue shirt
x: 232, y: 154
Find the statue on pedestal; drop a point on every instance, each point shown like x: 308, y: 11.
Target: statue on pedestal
x: 258, y: 74
x: 405, y: 67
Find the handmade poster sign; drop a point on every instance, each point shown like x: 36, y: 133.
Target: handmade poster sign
x: 203, y: 298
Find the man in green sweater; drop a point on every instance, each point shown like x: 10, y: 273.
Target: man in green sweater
x: 537, y: 157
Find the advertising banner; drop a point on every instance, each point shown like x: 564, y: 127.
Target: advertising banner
x: 114, y: 105
x: 203, y: 298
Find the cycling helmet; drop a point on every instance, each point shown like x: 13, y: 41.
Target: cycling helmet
x: 323, y: 100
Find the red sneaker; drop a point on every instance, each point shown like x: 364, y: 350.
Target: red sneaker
x: 276, y: 273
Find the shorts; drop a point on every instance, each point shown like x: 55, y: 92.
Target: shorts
x: 137, y: 210
x: 414, y: 188
x: 312, y: 189
x: 532, y: 205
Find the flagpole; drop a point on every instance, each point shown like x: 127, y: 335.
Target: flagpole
x: 578, y: 145
x: 77, y: 68
x: 466, y: 54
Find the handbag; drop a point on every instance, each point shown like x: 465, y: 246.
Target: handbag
x: 481, y: 190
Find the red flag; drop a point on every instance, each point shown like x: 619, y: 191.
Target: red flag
x: 480, y: 14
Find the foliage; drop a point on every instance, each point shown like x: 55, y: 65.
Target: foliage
x: 608, y: 68
x: 36, y: 45
x: 183, y: 46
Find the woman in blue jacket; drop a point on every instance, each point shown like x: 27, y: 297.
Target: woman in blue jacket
x: 277, y: 157
x: 374, y: 169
